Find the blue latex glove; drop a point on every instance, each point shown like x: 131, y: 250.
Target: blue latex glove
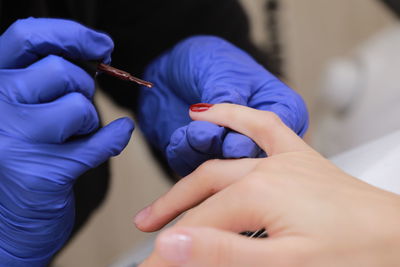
x: 209, y: 70
x: 45, y: 100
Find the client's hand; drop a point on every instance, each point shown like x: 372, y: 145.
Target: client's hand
x: 315, y: 214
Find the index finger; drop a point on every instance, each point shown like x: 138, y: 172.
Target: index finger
x: 264, y: 127
x: 27, y: 40
x: 205, y: 181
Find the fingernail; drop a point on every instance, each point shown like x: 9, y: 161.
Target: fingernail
x: 200, y: 107
x: 142, y: 215
x: 175, y: 247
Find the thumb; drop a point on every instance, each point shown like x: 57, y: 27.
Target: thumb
x: 107, y: 142
x: 192, y: 247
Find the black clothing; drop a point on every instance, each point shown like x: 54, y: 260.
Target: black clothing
x: 394, y: 5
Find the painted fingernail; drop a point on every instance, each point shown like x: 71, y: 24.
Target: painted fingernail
x: 142, y: 215
x: 175, y: 247
x: 200, y: 107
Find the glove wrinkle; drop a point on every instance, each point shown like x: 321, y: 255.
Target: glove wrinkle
x: 209, y: 69
x: 49, y: 134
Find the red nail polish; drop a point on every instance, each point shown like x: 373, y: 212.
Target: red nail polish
x: 200, y: 107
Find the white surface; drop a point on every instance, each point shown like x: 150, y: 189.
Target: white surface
x: 361, y: 95
x: 377, y: 163
x: 135, y: 256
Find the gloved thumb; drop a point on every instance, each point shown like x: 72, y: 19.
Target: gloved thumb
x: 107, y: 142
x: 187, y: 246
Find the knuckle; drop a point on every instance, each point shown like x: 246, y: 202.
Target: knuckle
x: 80, y: 102
x: 253, y: 182
x: 205, y: 176
x: 272, y: 172
x: 85, y: 112
x: 272, y: 164
x: 272, y: 117
x: 271, y: 120
x: 268, y: 122
x: 208, y: 165
x: 56, y: 65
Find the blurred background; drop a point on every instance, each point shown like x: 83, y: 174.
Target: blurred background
x: 341, y: 56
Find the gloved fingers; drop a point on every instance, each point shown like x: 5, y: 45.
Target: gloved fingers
x: 193, y: 144
x: 108, y: 142
x: 45, y: 81
x: 27, y: 40
x: 182, y: 158
x: 205, y: 137
x: 54, y: 122
x: 238, y: 146
x: 208, y: 179
x: 277, y: 97
x: 209, y: 69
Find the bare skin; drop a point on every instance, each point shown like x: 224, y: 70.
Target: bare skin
x: 315, y: 214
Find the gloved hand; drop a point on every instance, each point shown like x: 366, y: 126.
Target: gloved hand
x: 44, y: 101
x: 209, y: 70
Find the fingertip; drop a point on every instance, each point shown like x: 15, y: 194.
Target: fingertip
x: 114, y: 137
x: 200, y: 245
x: 126, y: 123
x: 207, y: 246
x: 175, y: 245
x: 195, y: 110
x: 175, y: 150
x: 108, y: 47
x: 103, y: 43
x: 141, y: 219
x: 123, y: 126
x: 107, y: 142
x: 177, y: 137
x: 207, y: 112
